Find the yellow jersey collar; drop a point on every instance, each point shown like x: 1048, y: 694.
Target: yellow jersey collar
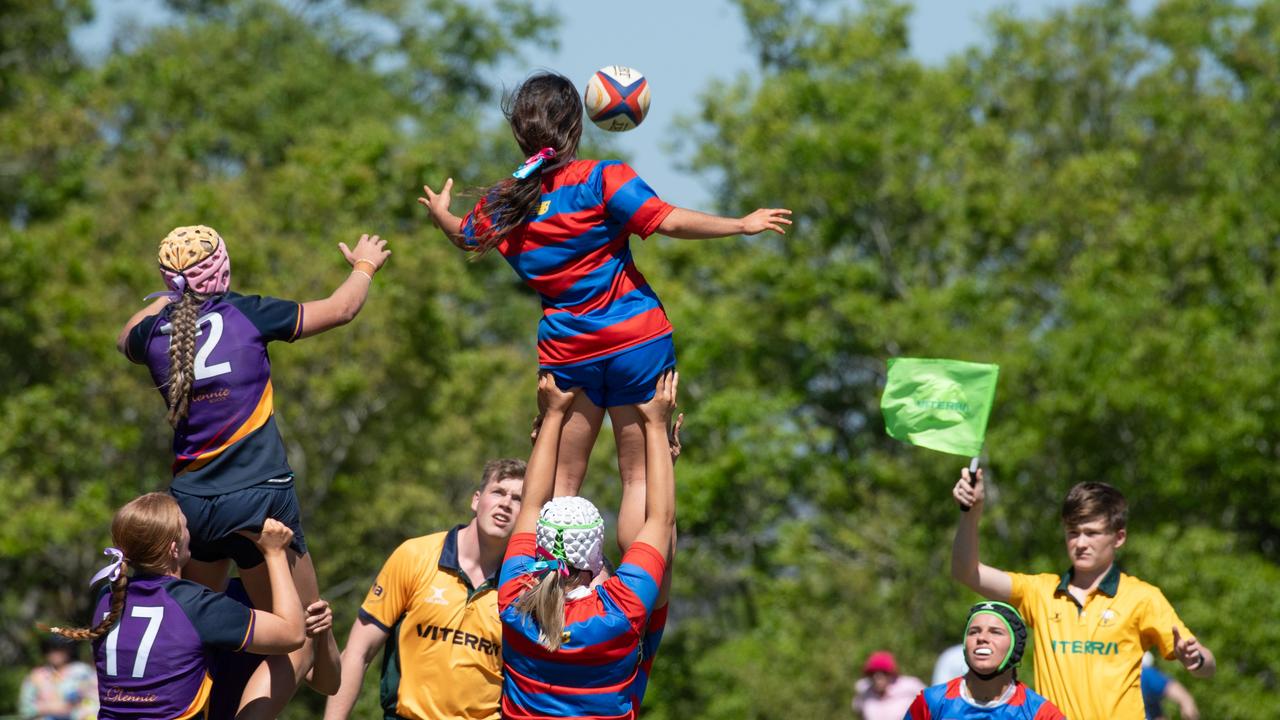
x: 1109, y: 585
x: 449, y: 561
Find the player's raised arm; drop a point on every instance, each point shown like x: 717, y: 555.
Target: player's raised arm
x: 281, y: 630
x: 694, y: 225
x: 540, y: 475
x: 660, y: 487
x: 991, y: 583
x: 437, y: 203
x: 152, y: 308
x: 340, y: 308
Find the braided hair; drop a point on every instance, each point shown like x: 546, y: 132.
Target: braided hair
x: 182, y: 354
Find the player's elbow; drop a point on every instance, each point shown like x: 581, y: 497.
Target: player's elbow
x: 294, y: 639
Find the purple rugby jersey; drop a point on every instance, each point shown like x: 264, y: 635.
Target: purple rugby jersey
x: 229, y: 440
x: 154, y: 664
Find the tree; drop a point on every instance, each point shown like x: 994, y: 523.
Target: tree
x: 1082, y: 200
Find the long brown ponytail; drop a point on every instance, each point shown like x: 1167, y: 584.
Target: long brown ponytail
x: 544, y: 112
x: 544, y: 602
x: 145, y: 530
x: 182, y: 354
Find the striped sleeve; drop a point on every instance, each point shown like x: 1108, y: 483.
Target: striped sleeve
x: 919, y: 709
x: 514, y: 577
x: 473, y: 224
x: 629, y: 200
x: 1049, y: 711
x: 636, y: 584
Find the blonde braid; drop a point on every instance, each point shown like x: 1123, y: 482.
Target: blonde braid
x: 182, y: 355
x: 118, y: 588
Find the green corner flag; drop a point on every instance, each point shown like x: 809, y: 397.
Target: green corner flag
x: 939, y: 404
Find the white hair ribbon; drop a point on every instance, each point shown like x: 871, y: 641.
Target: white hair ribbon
x: 112, y: 570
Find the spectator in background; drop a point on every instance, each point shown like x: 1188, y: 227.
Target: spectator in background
x: 950, y: 664
x: 63, y: 688
x: 1156, y: 687
x: 881, y: 693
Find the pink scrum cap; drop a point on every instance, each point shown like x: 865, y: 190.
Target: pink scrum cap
x: 195, y: 257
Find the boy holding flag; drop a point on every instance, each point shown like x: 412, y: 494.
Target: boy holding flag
x: 1093, y: 622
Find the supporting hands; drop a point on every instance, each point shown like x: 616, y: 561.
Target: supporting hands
x: 319, y: 618
x: 370, y: 249
x: 766, y: 219
x: 551, y: 399
x: 658, y: 410
x: 673, y: 438
x: 969, y: 491
x: 274, y: 538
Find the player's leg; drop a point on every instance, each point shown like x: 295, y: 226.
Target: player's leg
x: 628, y: 435
x: 275, y: 681
x: 209, y: 561
x: 212, y: 575
x: 630, y: 378
x: 581, y: 425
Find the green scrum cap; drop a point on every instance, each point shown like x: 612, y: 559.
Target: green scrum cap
x: 1017, y: 634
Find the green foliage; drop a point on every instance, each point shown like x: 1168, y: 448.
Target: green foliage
x: 1083, y: 199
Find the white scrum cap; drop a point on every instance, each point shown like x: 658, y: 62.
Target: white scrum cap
x: 571, y: 529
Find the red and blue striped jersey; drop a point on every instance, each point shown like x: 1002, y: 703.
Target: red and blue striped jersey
x: 944, y: 702
x: 575, y: 252
x: 594, y: 672
x: 648, y: 651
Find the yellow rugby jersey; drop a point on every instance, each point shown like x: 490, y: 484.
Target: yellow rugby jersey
x: 443, y: 658
x: 1088, y: 660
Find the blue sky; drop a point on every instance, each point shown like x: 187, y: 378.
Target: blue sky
x: 680, y: 45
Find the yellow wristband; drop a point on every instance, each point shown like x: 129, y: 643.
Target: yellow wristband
x: 372, y: 268
x: 361, y: 272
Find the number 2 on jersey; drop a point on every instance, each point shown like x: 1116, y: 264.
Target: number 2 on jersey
x: 203, y: 370
x: 154, y: 614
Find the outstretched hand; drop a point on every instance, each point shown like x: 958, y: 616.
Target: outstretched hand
x: 774, y: 219
x: 437, y: 204
x: 370, y: 248
x: 968, y: 491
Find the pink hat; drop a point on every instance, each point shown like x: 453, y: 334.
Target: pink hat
x: 880, y: 661
x: 195, y: 257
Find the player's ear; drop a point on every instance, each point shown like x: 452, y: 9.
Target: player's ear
x: 475, y: 500
x: 1120, y: 537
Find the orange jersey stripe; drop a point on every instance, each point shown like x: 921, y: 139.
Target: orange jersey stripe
x: 256, y: 420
